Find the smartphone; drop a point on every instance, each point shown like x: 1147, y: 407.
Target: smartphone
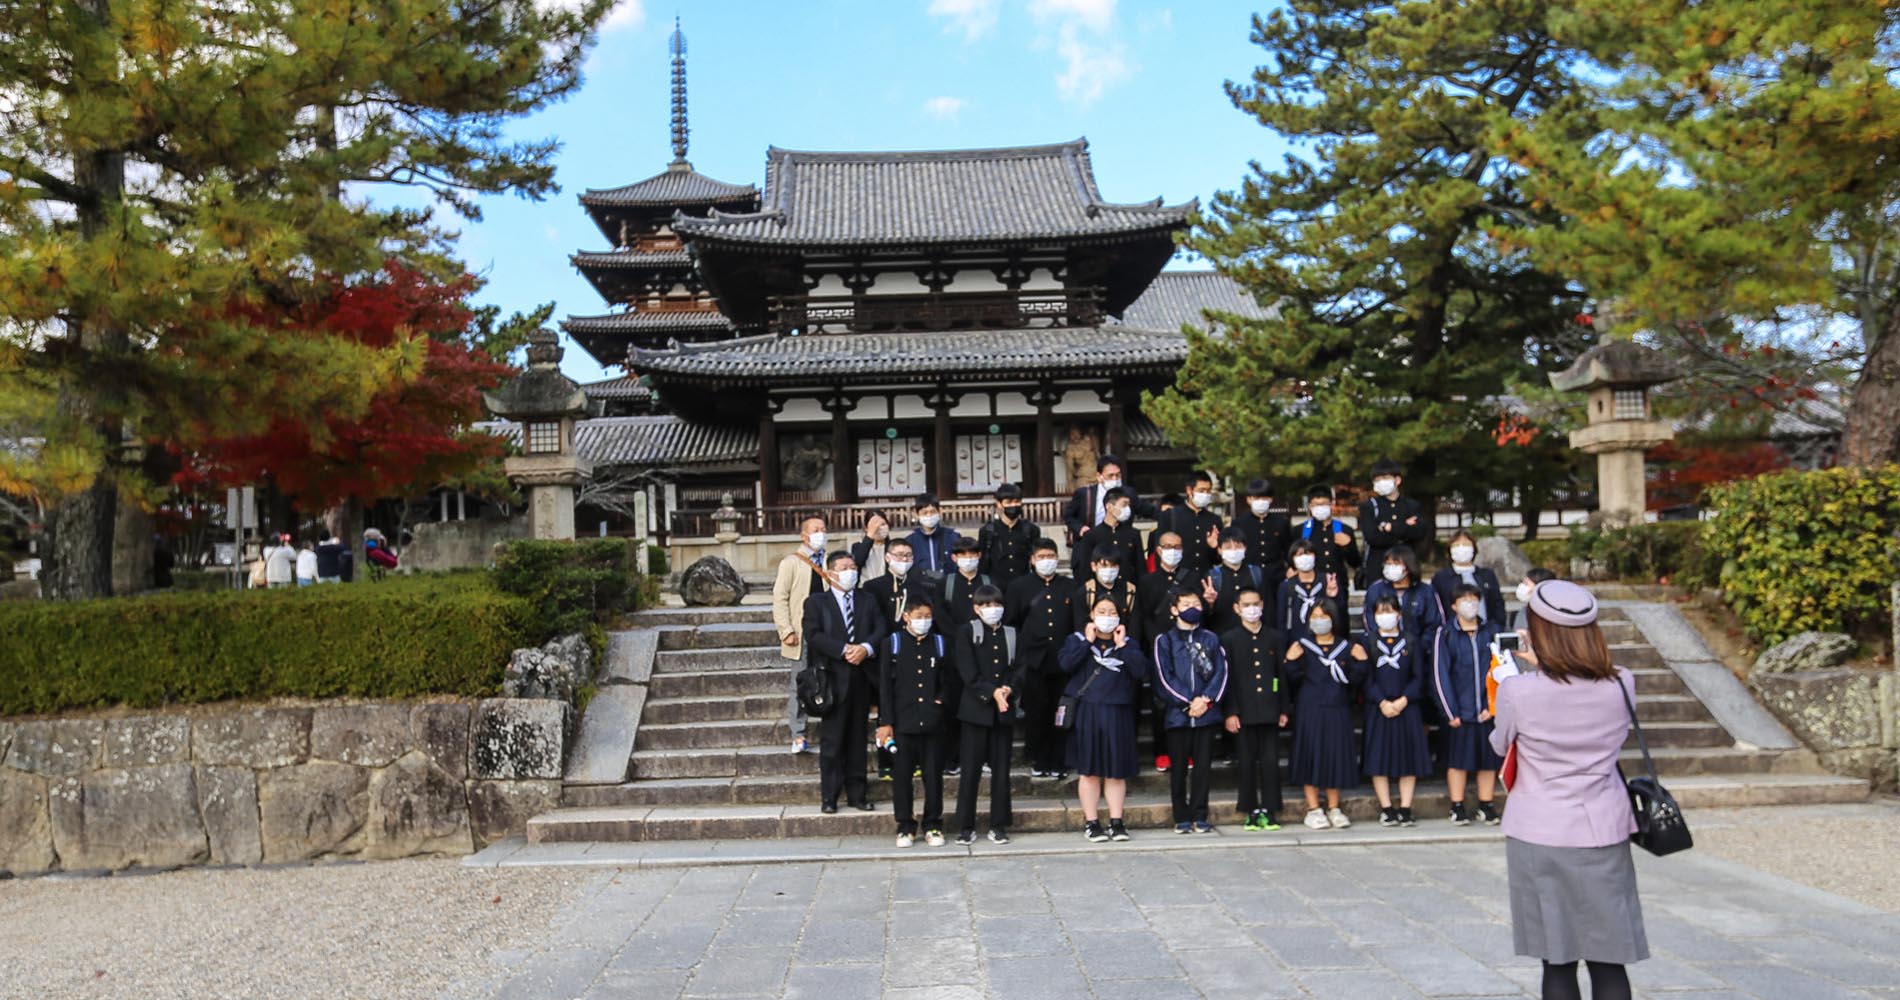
x: 1507, y: 642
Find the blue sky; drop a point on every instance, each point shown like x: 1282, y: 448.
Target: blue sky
x: 1142, y: 80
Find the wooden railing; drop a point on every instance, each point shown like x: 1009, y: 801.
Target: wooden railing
x: 840, y: 518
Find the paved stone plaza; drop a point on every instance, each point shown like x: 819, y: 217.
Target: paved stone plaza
x: 1358, y: 922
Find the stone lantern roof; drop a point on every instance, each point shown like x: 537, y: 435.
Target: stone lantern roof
x: 541, y: 392
x: 1622, y: 364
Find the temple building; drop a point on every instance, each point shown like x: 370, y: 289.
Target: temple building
x: 872, y: 325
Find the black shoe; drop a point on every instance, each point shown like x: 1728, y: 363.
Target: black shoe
x: 828, y: 808
x: 1459, y: 817
x: 864, y: 806
x: 1405, y: 818
x: 952, y: 771
x: 998, y: 835
x: 1094, y: 832
x: 1488, y: 812
x: 966, y: 838
x: 1059, y: 775
x: 1116, y: 831
x: 1388, y: 816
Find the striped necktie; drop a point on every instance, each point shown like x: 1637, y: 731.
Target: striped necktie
x: 850, y: 626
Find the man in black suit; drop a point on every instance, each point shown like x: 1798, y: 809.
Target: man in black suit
x: 1084, y: 509
x: 841, y: 632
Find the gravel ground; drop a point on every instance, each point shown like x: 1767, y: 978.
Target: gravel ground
x: 1848, y: 850
x: 390, y: 929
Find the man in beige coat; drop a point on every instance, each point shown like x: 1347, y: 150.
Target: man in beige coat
x: 799, y: 574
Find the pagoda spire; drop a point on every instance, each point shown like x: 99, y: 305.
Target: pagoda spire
x: 678, y: 46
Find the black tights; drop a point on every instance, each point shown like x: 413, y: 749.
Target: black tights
x: 1607, y: 982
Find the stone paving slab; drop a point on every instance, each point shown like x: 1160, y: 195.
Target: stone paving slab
x: 1374, y: 916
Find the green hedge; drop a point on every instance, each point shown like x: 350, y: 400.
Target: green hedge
x: 572, y: 586
x: 1669, y: 551
x: 1807, y: 550
x: 405, y: 637
x: 1551, y: 553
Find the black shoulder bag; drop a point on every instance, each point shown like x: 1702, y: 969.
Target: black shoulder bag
x: 1660, y: 826
x: 1066, y: 705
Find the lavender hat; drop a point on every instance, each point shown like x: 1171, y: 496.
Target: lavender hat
x: 1561, y: 602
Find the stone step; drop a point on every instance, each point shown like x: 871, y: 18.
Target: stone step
x: 1658, y: 681
x: 722, y: 635
x: 722, y: 683
x: 729, y: 658
x: 672, y: 711
x: 721, y: 763
x: 1663, y: 708
x: 1622, y: 631
x: 1045, y: 811
x: 1681, y: 734
x: 1636, y: 655
x: 730, y: 734
x: 655, y: 617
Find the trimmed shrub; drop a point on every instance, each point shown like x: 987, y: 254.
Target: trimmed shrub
x: 1805, y: 551
x: 570, y: 585
x: 1669, y: 550
x: 406, y: 637
x: 1551, y: 553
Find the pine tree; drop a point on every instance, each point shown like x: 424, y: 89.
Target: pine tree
x: 1387, y: 247
x: 173, y: 172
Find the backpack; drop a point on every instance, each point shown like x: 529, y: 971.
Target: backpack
x: 1260, y: 587
x: 935, y: 635
x: 1009, y: 638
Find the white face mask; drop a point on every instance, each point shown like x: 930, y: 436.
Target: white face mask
x: 929, y: 521
x: 1387, y: 620
x: 1385, y: 486
x: 1462, y: 554
x: 1252, y: 612
x: 1395, y: 572
x: 1233, y: 557
x: 880, y: 532
x: 1468, y: 610
x: 1320, y: 626
x: 1107, y: 623
x: 1303, y: 562
x: 1260, y: 507
x: 847, y: 579
x: 1119, y: 512
x: 1322, y: 512
x: 1046, y: 567
x: 968, y: 565
x: 899, y: 566
x: 1202, y: 499
x: 919, y: 626
x: 1524, y: 590
x: 1109, y: 484
x: 1107, y: 574
x: 992, y: 615
x: 1171, y: 558
x: 816, y: 541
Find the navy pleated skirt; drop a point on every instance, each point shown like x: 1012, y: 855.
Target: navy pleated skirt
x: 1468, y: 748
x: 1102, y: 744
x: 1395, y: 747
x: 1324, y: 750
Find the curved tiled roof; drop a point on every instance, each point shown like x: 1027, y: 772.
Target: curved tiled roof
x: 624, y: 387
x: 605, y: 260
x: 932, y: 197
x: 1175, y: 298
x: 678, y: 185
x: 653, y: 321
x: 651, y: 440
x: 919, y: 356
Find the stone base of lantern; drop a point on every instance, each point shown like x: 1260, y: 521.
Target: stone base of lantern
x: 550, y: 482
x: 1619, y: 445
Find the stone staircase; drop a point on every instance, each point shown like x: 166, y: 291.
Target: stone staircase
x: 710, y: 751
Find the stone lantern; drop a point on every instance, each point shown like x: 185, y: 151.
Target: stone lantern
x: 545, y: 403
x: 1618, y: 376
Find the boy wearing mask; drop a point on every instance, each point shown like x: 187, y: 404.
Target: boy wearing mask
x: 1113, y: 531
x: 1191, y: 679
x: 1039, y: 607
x: 987, y: 664
x: 1005, y: 541
x: 931, y: 542
x: 1335, y: 550
x: 1388, y: 519
x: 1267, y: 533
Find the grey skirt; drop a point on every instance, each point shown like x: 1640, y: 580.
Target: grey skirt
x: 1573, y: 904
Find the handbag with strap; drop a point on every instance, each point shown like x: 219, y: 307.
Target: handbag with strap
x: 817, y: 695
x: 1066, y: 705
x: 1660, y: 826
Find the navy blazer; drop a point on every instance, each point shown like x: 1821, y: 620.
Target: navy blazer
x: 1401, y: 679
x: 1459, y: 665
x: 1114, y: 687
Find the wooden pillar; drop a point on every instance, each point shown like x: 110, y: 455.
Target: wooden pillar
x: 944, y: 454
x: 1117, y: 436
x: 844, y: 458
x: 768, y: 458
x: 1041, y: 475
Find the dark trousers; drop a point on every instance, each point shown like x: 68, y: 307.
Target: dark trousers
x: 844, y: 741
x: 1190, y: 790
x: 1260, y: 768
x: 1157, y: 720
x: 1047, y: 746
x: 951, y: 733
x: 985, y: 745
x: 914, y: 749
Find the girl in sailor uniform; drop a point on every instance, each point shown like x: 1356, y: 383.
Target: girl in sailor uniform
x: 1302, y: 589
x: 1323, y: 668
x: 1395, y: 726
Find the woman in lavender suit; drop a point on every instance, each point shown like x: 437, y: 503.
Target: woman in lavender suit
x: 1568, y: 820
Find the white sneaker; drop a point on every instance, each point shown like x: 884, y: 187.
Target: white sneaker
x: 905, y: 840
x: 1338, y: 819
x: 1316, y: 819
x: 934, y: 838
x: 798, y: 744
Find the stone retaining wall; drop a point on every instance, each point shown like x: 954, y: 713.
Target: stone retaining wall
x: 237, y: 785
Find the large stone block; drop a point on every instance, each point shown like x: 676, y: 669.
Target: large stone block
x: 148, y: 739
x: 1828, y: 709
x: 440, y: 729
x: 515, y: 738
x: 1500, y: 555
x: 56, y: 748
x: 261, y: 737
x: 309, y: 810
x: 711, y: 582
x: 26, y: 831
x: 500, y: 809
x: 370, y: 735
x: 227, y: 800
x: 1805, y: 651
x: 553, y: 670
x: 416, y: 807
x: 126, y: 817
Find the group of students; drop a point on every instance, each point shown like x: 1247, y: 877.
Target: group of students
x: 1231, y: 631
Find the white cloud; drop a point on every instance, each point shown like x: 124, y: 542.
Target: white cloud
x: 972, y: 18
x: 626, y: 13
x: 1093, y: 60
x: 944, y: 107
x: 1097, y: 15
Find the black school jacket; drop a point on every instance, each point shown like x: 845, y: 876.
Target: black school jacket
x: 893, y: 598
x: 983, y: 667
x: 1122, y: 593
x: 1256, y: 674
x: 1378, y: 510
x: 913, y: 672
x: 1267, y: 539
x: 1040, y: 611
x: 1329, y: 557
x: 1123, y: 535
x: 1151, y: 596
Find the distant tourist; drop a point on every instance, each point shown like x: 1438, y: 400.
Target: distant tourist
x: 800, y: 575
x: 306, y: 564
x: 330, y: 556
x: 1567, y: 823
x: 280, y: 563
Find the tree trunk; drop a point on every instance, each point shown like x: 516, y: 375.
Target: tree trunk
x: 1871, y: 436
x: 132, y: 549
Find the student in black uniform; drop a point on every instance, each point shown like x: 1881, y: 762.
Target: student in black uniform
x: 986, y: 663
x: 1004, y: 542
x: 1304, y: 588
x: 1105, y: 579
x: 1104, y: 670
x: 911, y: 711
x: 898, y: 589
x: 1395, y: 726
x: 841, y: 632
x: 1464, y: 568
x: 1222, y: 583
x: 1198, y: 527
x: 1334, y: 549
x: 1418, y: 604
x: 1323, y: 669
x: 1115, y: 530
x: 1085, y: 508
x: 958, y: 589
x: 1267, y: 534
x: 1256, y: 657
x: 1191, y: 675
x: 1038, y: 606
x: 1388, y: 519
x: 1156, y: 610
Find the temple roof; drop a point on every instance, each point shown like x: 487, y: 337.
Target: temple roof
x: 1176, y: 298
x: 679, y: 185
x: 650, y: 322
x: 630, y: 260
x: 935, y: 197
x: 624, y: 387
x: 662, y: 440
